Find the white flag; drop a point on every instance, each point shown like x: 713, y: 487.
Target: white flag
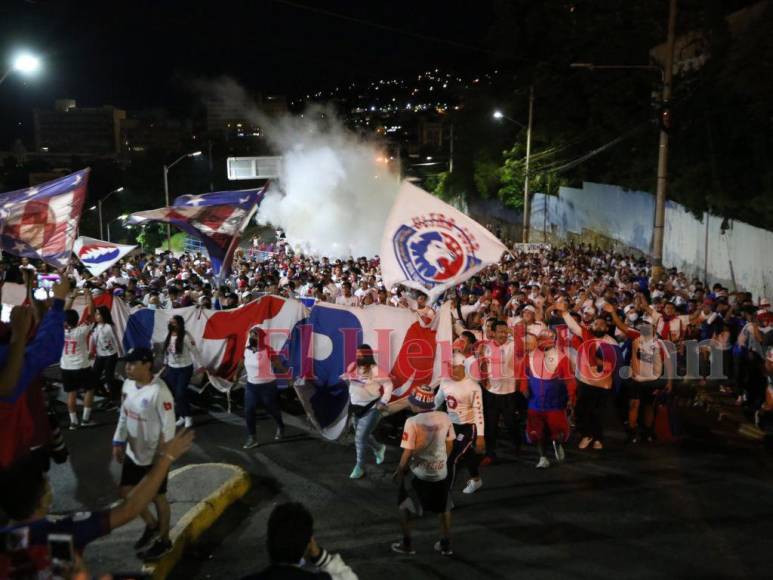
x: 98, y: 255
x: 430, y: 246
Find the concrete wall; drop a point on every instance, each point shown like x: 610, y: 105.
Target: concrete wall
x: 611, y: 216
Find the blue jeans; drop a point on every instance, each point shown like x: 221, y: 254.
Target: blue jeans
x: 363, y: 433
x: 178, y: 379
x: 265, y: 395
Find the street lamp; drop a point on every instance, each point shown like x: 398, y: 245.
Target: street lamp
x: 499, y: 115
x: 166, y: 192
x: 121, y: 217
x: 99, y: 207
x: 24, y: 63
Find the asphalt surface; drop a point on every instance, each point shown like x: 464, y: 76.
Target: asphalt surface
x: 702, y: 508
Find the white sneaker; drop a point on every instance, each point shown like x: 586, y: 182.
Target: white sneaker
x: 472, y: 486
x: 180, y: 422
x: 544, y: 463
x: 188, y: 422
x: 558, y: 449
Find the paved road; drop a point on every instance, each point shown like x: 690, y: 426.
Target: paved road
x: 699, y: 509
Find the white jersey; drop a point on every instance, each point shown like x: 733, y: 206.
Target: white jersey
x: 147, y: 416
x: 75, y: 354
x: 364, y: 389
x: 105, y: 340
x: 501, y: 372
x: 426, y: 434
x: 463, y: 400
x: 257, y: 363
x: 348, y: 300
x: 182, y: 359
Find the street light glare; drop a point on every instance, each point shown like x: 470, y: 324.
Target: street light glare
x: 26, y: 63
x: 119, y: 190
x: 194, y: 154
x: 92, y: 208
x: 498, y: 114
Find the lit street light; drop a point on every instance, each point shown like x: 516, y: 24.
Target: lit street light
x: 99, y: 207
x: 166, y: 192
x: 24, y: 63
x: 498, y: 115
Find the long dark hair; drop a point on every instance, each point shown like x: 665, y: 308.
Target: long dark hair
x: 180, y: 338
x: 104, y: 311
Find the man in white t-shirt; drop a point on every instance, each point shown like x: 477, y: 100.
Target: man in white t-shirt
x: 347, y: 298
x: 146, y: 420
x: 428, y: 438
x: 76, y: 368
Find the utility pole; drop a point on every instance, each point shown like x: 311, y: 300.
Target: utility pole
x: 166, y: 199
x: 665, y: 118
x: 451, y: 150
x: 526, y: 201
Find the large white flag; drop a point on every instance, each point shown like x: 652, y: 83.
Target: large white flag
x: 98, y: 255
x: 430, y: 246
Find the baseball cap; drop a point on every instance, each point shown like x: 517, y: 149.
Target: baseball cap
x: 140, y: 354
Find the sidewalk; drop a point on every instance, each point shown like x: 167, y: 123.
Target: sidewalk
x: 198, y: 495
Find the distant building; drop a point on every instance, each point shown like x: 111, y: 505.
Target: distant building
x: 150, y: 130
x: 236, y: 119
x: 70, y: 130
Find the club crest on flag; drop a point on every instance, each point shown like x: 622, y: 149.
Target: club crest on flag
x: 93, y: 254
x: 434, y: 249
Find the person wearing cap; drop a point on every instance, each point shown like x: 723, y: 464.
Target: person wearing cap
x: 368, y: 398
x: 651, y: 374
x: 464, y: 405
x: 146, y: 420
x: 427, y: 441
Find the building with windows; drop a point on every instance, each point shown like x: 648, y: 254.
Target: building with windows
x: 70, y: 130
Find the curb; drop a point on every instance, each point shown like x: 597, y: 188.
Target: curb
x: 200, y: 517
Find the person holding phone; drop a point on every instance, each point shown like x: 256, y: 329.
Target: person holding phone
x: 26, y: 497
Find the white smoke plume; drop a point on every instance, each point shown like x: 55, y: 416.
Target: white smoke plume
x: 336, y: 188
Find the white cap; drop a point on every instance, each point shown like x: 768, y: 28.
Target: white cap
x: 458, y: 359
x: 530, y: 308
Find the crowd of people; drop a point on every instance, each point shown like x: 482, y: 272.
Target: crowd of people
x: 544, y: 343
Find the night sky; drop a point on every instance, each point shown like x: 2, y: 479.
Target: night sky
x: 143, y: 54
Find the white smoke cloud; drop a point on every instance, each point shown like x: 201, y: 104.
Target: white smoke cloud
x: 335, y: 190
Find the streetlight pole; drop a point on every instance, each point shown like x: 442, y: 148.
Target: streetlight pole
x: 451, y: 150
x: 526, y: 200
x: 662, y: 184
x: 166, y: 192
x: 99, y: 209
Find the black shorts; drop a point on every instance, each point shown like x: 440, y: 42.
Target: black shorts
x: 644, y: 391
x: 78, y: 380
x: 418, y: 496
x: 132, y: 474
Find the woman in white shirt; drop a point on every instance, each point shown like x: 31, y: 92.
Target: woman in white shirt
x: 106, y: 346
x: 261, y: 363
x: 180, y: 352
x: 368, y: 397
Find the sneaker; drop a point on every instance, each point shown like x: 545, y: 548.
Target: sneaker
x: 444, y: 551
x: 280, y: 433
x: 632, y: 438
x: 147, y: 537
x: 598, y: 445
x: 157, y: 550
x: 472, y: 486
x: 380, y: 454
x: 188, y: 422
x: 74, y: 426
x: 543, y: 463
x: 400, y: 548
x: 357, y: 473
x: 180, y: 422
x: 89, y: 423
x: 585, y: 442
x: 250, y: 443
x: 559, y: 452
